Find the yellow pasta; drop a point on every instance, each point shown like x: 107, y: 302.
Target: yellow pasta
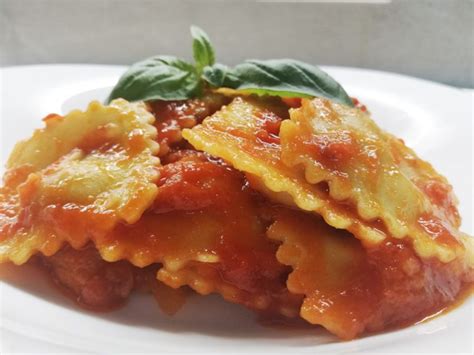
x: 293, y: 207
x: 206, y: 279
x: 217, y: 248
x: 375, y: 173
x: 329, y: 268
x: 89, y: 193
x: 77, y: 178
x: 242, y: 133
x: 348, y: 289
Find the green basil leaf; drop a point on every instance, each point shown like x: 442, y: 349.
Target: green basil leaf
x: 286, y: 78
x: 161, y: 77
x: 202, y: 49
x: 170, y: 78
x: 215, y: 75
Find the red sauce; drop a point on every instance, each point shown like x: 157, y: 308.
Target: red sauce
x: 193, y: 184
x: 51, y: 117
x: 92, y: 282
x: 174, y: 116
x: 333, y: 151
x: 253, y: 270
x: 414, y: 289
x: 204, y: 206
x: 441, y: 194
x: 101, y: 286
x: 436, y: 229
x: 438, y: 193
x: 359, y: 105
x: 293, y: 102
x: 334, y: 148
x: 269, y: 127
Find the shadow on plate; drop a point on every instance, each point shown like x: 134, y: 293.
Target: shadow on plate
x: 209, y: 315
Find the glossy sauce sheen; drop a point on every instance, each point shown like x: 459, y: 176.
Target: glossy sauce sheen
x: 80, y: 187
x: 208, y: 228
x: 100, y: 286
x: 384, y: 283
x: 173, y: 116
x: 206, y: 223
x: 375, y: 173
x: 350, y: 289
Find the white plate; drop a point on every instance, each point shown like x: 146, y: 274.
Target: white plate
x: 434, y: 119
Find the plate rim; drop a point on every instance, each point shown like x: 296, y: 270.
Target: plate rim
x: 454, y: 90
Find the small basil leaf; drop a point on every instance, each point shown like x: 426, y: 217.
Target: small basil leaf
x: 161, y: 77
x: 286, y: 78
x: 215, y: 75
x: 202, y: 49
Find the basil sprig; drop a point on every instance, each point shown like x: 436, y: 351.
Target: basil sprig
x: 161, y: 77
x: 170, y: 78
x: 203, y: 52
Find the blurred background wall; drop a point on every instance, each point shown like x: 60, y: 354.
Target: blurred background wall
x: 431, y: 39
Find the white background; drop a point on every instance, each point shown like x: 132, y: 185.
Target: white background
x: 434, y: 119
x: 430, y: 39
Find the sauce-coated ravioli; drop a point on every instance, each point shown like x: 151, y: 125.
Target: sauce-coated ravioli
x: 273, y: 188
x: 375, y: 173
x: 77, y: 178
x: 349, y: 289
x: 207, y: 230
x: 247, y: 134
x: 241, y: 218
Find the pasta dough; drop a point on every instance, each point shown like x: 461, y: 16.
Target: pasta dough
x: 375, y: 173
x: 349, y: 289
x: 245, y: 133
x: 315, y: 211
x: 207, y: 230
x: 77, y: 178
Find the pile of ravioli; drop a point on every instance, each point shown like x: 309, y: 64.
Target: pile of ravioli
x: 310, y: 212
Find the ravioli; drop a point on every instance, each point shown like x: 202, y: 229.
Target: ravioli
x: 217, y: 246
x: 349, y: 289
x: 375, y: 173
x: 275, y: 213
x: 247, y: 134
x: 77, y: 178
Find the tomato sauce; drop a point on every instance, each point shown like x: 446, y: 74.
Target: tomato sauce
x: 441, y: 194
x: 174, y: 116
x: 269, y: 127
x: 193, y: 183
x: 359, y: 105
x: 207, y: 224
x: 100, y: 286
x: 89, y: 280
x: 437, y: 230
x: 332, y: 149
